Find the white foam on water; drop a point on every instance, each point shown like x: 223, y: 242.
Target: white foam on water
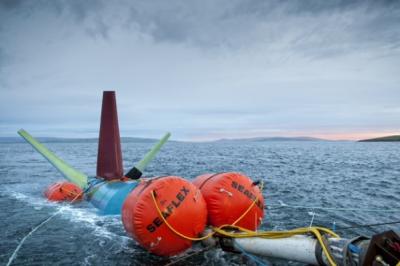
x: 88, y: 258
x: 29, y: 199
x: 84, y: 215
x: 90, y: 218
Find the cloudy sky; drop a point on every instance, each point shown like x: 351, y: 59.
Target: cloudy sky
x: 201, y: 69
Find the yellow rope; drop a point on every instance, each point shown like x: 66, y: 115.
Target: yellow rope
x: 250, y: 207
x: 208, y: 235
x: 173, y: 229
x: 245, y: 233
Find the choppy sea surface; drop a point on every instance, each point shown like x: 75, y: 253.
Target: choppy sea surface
x: 345, y: 175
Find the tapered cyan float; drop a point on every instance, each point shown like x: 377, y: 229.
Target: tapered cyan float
x: 109, y: 188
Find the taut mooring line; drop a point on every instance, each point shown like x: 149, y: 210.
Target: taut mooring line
x: 14, y: 255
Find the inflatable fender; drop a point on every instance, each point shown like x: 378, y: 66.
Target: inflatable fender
x: 228, y: 197
x: 182, y: 206
x: 64, y: 191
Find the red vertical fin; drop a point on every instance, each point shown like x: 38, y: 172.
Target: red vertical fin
x: 109, y: 156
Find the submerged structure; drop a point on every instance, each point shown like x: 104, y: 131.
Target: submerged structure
x: 223, y: 210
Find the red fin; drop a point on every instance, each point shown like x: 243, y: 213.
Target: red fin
x: 109, y: 156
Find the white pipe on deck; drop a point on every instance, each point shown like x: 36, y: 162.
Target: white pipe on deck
x: 297, y: 248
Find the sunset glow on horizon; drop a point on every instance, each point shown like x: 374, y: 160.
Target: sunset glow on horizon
x: 355, y: 135
x: 336, y: 136
x: 224, y: 69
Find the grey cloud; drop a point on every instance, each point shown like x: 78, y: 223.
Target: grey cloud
x: 331, y: 27
x: 88, y: 15
x: 310, y: 28
x: 210, y: 65
x: 10, y: 4
x: 2, y: 58
x: 78, y: 9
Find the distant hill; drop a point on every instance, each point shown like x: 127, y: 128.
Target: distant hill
x: 150, y: 140
x: 264, y: 139
x: 74, y: 140
x: 387, y: 138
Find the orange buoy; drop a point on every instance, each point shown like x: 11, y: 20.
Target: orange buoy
x: 64, y: 191
x: 229, y: 196
x: 181, y: 205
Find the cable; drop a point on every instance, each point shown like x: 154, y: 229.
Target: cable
x: 367, y: 225
x: 316, y: 231
x: 30, y: 233
x: 208, y: 235
x: 188, y: 256
x: 284, y: 234
x: 284, y: 205
x: 14, y: 255
x: 252, y: 257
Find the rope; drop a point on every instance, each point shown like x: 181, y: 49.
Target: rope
x: 188, y: 256
x: 172, y: 228
x: 250, y: 207
x: 71, y: 192
x: 208, y: 235
x: 367, y: 225
x: 94, y: 186
x: 250, y: 256
x: 316, y: 231
x: 284, y: 205
x: 14, y: 255
x: 312, y: 219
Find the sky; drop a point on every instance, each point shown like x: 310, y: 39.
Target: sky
x: 202, y: 70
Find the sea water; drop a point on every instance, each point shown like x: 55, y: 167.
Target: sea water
x: 348, y: 178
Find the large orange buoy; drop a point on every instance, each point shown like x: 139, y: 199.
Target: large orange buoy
x: 229, y: 198
x: 64, y: 191
x: 182, y: 206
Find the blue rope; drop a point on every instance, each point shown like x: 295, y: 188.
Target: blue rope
x: 250, y: 256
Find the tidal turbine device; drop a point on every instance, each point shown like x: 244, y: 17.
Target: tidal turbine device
x: 114, y: 193
x: 166, y: 214
x: 109, y: 188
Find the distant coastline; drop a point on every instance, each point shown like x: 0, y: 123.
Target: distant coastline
x: 382, y: 139
x: 74, y: 140
x: 150, y: 140
x: 264, y: 139
x: 393, y: 138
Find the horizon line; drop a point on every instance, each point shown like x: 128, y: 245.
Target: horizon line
x: 322, y: 136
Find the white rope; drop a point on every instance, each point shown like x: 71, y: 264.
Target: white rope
x: 312, y: 219
x: 284, y: 205
x: 14, y: 255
